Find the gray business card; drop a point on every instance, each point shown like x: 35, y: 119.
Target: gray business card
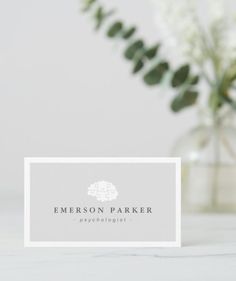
x: 102, y: 202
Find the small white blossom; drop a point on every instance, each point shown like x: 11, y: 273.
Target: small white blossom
x: 103, y: 191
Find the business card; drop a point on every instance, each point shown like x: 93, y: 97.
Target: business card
x: 102, y: 202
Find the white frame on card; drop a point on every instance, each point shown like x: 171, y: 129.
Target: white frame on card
x: 27, y: 173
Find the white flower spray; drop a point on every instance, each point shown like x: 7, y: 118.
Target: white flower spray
x: 197, y: 37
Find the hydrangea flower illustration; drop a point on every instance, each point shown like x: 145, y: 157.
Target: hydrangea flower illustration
x: 103, y: 191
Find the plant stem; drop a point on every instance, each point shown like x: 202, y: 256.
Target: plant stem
x: 216, y: 159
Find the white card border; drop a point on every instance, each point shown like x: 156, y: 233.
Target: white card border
x: 30, y: 160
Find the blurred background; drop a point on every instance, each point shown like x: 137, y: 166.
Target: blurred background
x: 67, y: 92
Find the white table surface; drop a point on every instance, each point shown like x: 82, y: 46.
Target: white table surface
x: 208, y: 253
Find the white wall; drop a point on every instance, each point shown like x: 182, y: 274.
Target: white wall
x: 65, y: 91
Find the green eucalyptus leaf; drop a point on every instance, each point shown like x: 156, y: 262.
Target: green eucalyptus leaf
x: 87, y: 5
x: 129, y: 32
x: 155, y: 75
x: 132, y: 49
x: 151, y: 52
x: 138, y: 66
x: 194, y: 80
x: 115, y: 29
x: 180, y: 76
x: 101, y: 15
x: 183, y: 100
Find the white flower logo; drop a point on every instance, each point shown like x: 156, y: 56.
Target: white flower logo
x: 103, y: 191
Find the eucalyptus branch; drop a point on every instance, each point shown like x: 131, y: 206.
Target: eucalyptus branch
x: 148, y: 58
x: 148, y: 62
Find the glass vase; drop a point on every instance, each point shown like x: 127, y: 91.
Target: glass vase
x: 208, y: 154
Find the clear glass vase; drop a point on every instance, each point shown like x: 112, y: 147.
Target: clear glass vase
x: 208, y: 154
